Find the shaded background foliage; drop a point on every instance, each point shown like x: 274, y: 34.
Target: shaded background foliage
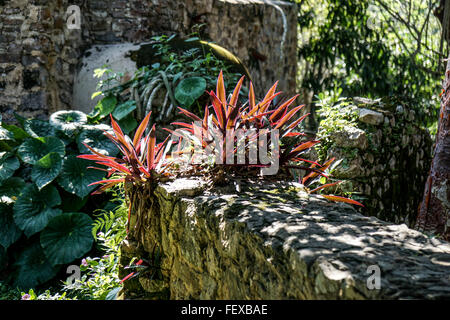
x: 372, y: 48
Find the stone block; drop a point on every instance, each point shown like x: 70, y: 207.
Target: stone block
x: 370, y: 116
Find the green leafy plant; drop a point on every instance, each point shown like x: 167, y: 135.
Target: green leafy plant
x: 151, y: 268
x: 46, y: 295
x: 379, y: 48
x: 100, y: 274
x: 189, y: 90
x: 179, y: 70
x: 44, y: 190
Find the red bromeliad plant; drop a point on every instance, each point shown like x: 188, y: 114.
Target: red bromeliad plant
x: 218, y: 133
x: 255, y: 120
x: 142, y: 159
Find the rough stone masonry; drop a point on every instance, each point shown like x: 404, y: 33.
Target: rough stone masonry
x: 386, y: 154
x: 274, y: 241
x: 39, y: 55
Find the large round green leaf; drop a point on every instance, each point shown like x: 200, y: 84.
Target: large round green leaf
x: 12, y: 187
x: 95, y: 138
x: 8, y: 164
x: 75, y: 176
x: 189, y: 90
x: 46, y: 169
x: 34, y: 208
x: 124, y: 109
x: 33, y: 149
x: 67, y: 237
x: 38, y: 128
x: 68, y: 121
x: 9, y: 232
x: 33, y: 268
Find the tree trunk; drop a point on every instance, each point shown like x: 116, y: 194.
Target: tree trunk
x: 435, y: 207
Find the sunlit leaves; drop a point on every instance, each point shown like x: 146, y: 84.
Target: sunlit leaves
x: 33, y: 149
x: 46, y: 169
x: 75, y: 176
x: 8, y: 164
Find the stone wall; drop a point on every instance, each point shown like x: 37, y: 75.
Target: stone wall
x: 39, y: 55
x: 273, y: 241
x: 386, y: 154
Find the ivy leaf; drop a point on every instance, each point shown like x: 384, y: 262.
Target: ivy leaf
x: 75, y: 176
x: 189, y: 90
x: 9, y: 232
x: 8, y: 164
x: 6, y: 135
x: 67, y: 237
x: 33, y: 268
x: 34, y: 208
x: 18, y: 133
x: 33, y: 149
x: 46, y: 169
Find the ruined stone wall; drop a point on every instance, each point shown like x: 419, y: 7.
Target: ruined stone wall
x: 273, y: 241
x: 385, y: 154
x: 39, y: 55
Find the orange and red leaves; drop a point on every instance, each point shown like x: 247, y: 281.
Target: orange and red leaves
x: 341, y: 199
x: 287, y: 117
x: 220, y: 89
x: 140, y: 131
x: 325, y: 186
x: 312, y: 175
x: 304, y: 146
x: 151, y: 148
x: 235, y: 95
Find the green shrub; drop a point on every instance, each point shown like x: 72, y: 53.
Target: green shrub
x: 183, y: 68
x: 100, y: 278
x: 44, y: 194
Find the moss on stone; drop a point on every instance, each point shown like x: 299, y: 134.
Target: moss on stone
x: 392, y: 148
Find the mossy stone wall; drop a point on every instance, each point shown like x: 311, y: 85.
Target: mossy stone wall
x: 272, y: 241
x: 386, y: 154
